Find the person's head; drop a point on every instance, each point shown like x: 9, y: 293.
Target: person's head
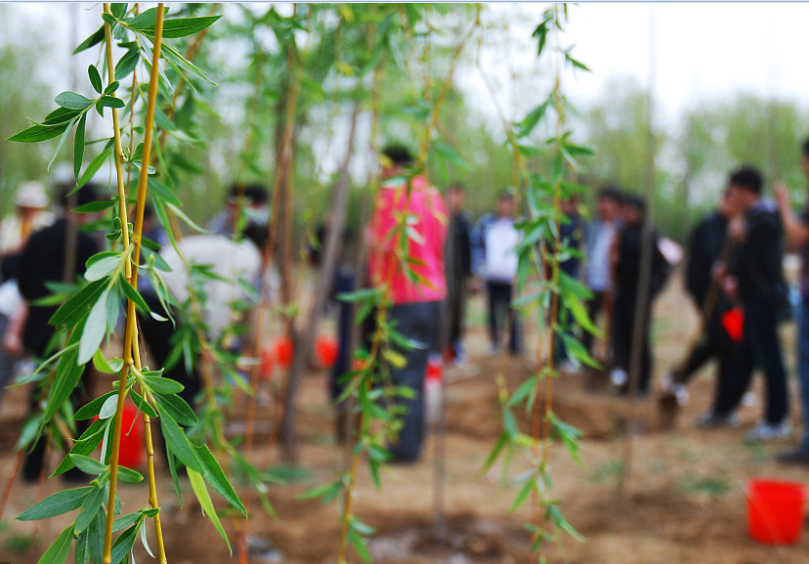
x: 255, y: 195
x: 148, y: 217
x: 87, y: 194
x: 607, y: 202
x: 455, y: 197
x: 505, y: 203
x: 395, y: 159
x: 570, y: 205
x: 634, y: 209
x: 257, y: 233
x: 744, y: 187
x: 726, y: 209
x: 805, y: 157
x: 30, y: 199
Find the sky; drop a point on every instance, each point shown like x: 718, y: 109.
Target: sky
x: 702, y: 50
x: 697, y: 52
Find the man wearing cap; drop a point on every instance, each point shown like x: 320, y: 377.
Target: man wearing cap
x: 42, y: 261
x: 30, y: 216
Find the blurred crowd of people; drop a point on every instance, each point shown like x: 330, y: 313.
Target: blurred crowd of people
x: 733, y: 273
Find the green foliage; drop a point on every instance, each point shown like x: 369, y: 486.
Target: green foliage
x: 559, y: 297
x: 89, y: 311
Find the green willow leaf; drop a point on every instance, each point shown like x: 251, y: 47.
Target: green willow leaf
x: 89, y: 509
x: 91, y: 41
x: 216, y: 477
x: 146, y: 19
x: 110, y: 102
x: 118, y: 9
x: 58, y: 551
x: 129, y: 476
x: 178, y: 408
x: 143, y: 405
x: 78, y: 147
x: 126, y: 541
x: 161, y: 385
x: 94, y: 166
x: 73, y: 101
x: 95, y: 78
x: 93, y: 408
x: 95, y: 329
x: 127, y: 64
x: 61, y: 144
x: 177, y: 441
x: 68, y: 374
x: 87, y: 464
x: 182, y: 27
x: 57, y: 504
x: 198, y: 485
x: 133, y: 295
x: 77, y: 306
x: 38, y: 133
x: 86, y: 444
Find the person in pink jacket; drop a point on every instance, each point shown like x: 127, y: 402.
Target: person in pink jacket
x: 416, y: 297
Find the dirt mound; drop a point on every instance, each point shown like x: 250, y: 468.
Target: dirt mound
x: 473, y: 407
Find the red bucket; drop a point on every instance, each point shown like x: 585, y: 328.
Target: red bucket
x: 327, y: 351
x: 133, y: 447
x: 775, y: 510
x: 283, y: 351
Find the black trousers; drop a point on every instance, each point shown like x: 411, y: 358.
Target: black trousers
x: 623, y: 322
x: 81, y: 394
x: 455, y: 309
x: 714, y: 343
x: 594, y: 309
x: 419, y: 322
x: 500, y: 296
x: 158, y: 335
x: 760, y: 348
x: 343, y: 283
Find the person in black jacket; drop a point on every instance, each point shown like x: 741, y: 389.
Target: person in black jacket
x: 707, y: 244
x: 458, y: 266
x: 627, y: 260
x: 753, y: 277
x: 43, y: 261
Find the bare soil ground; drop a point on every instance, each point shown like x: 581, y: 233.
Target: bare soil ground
x: 684, y: 499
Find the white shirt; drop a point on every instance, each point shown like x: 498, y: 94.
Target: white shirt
x: 501, y: 259
x: 228, y: 259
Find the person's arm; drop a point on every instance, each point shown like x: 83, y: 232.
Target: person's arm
x: 797, y: 230
x: 12, y: 340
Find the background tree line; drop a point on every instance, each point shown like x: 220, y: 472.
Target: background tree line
x: 694, y: 149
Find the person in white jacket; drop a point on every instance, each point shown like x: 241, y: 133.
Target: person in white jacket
x: 494, y: 260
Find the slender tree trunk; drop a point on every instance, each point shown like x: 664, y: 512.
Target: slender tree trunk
x: 333, y: 247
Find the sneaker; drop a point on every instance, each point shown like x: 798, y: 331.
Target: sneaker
x: 619, y: 377
x: 795, y: 457
x: 767, y: 432
x: 681, y: 393
x: 710, y: 420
